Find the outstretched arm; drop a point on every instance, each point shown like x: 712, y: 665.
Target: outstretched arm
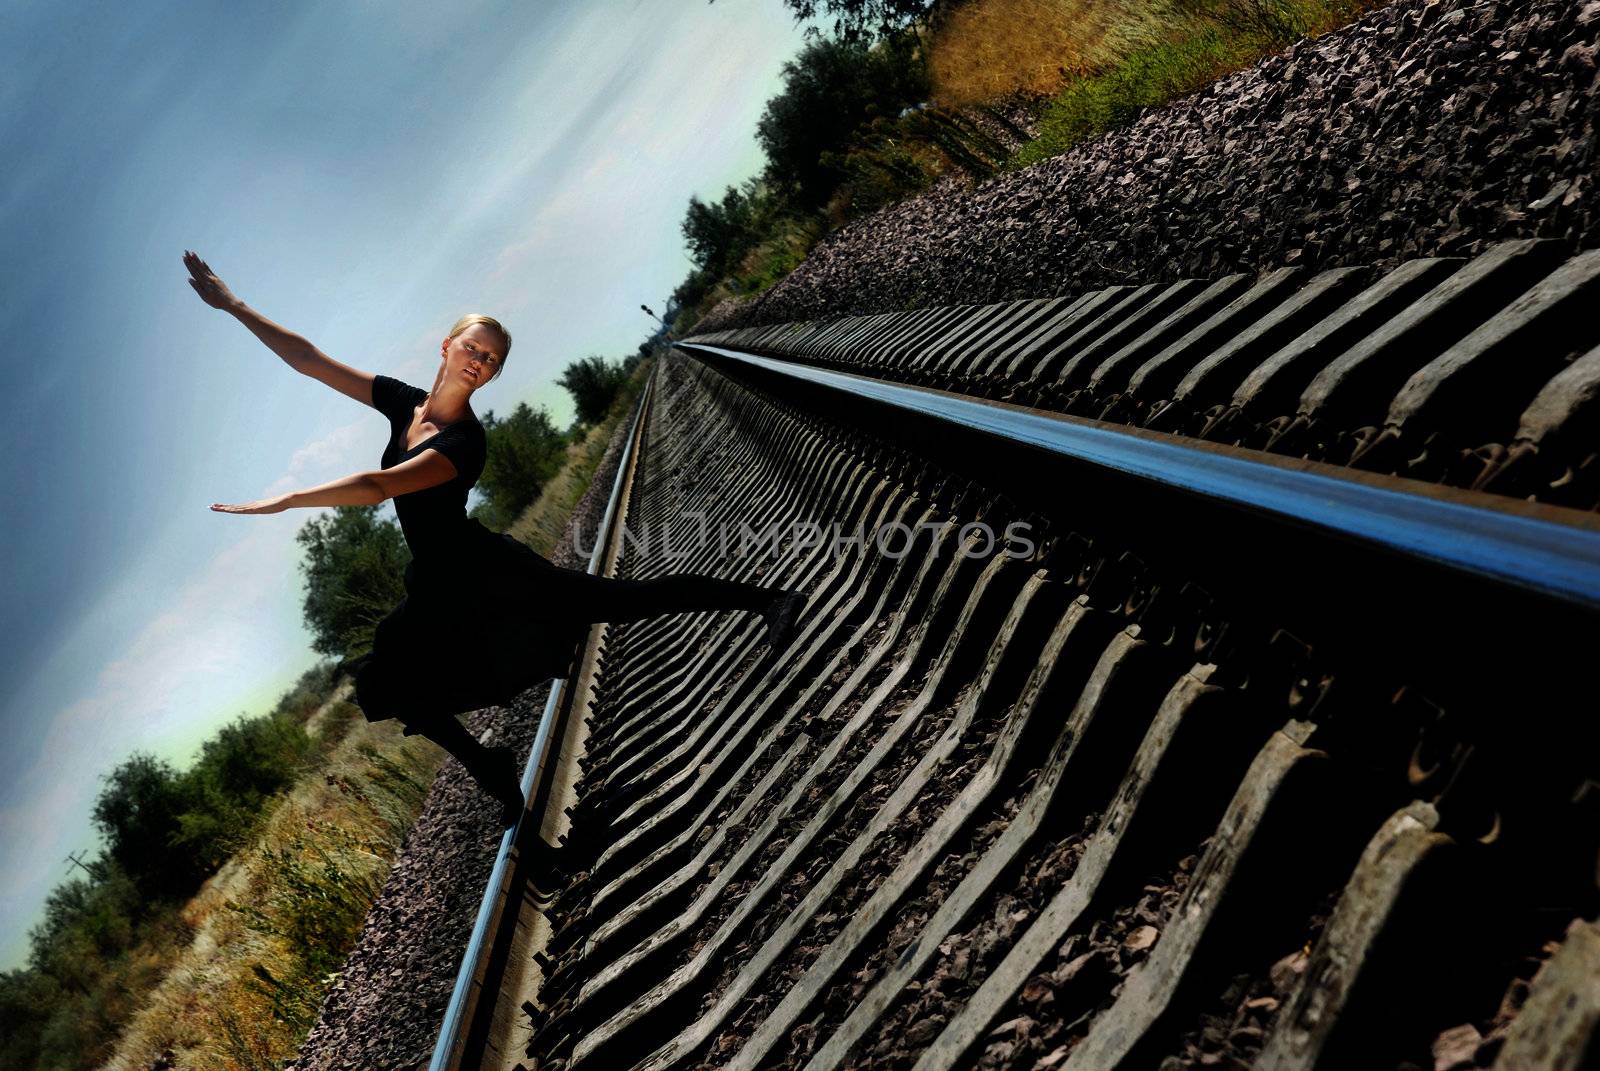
x: 296, y: 350
x: 427, y: 469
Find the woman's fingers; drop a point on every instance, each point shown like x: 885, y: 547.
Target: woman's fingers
x: 205, y: 282
x: 196, y: 266
x: 265, y: 505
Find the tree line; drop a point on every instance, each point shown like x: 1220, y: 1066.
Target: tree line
x: 851, y: 131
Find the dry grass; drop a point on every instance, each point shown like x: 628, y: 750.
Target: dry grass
x: 239, y: 998
x: 1102, y: 63
x: 987, y: 49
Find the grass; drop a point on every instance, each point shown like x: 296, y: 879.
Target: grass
x: 1102, y: 64
x: 272, y: 926
x: 990, y: 48
x: 238, y: 979
x: 1146, y: 78
x: 779, y: 255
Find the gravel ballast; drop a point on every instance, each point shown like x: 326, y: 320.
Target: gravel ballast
x: 1427, y: 128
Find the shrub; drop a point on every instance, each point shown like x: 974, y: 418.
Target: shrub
x: 832, y: 89
x: 523, y: 451
x: 593, y: 383
x: 354, y: 562
x: 719, y: 232
x: 247, y: 761
x: 139, y: 814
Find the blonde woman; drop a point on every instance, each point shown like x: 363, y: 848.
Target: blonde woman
x: 484, y: 616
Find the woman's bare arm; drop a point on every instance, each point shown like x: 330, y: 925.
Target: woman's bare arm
x: 296, y: 350
x: 428, y: 469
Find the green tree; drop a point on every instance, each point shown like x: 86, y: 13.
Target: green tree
x: 27, y: 999
x: 719, y: 233
x: 354, y: 563
x: 593, y: 383
x: 522, y: 453
x: 831, y: 90
x: 247, y: 761
x: 692, y: 291
x: 139, y: 813
x: 861, y: 20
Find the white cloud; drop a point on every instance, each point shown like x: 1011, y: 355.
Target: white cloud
x: 326, y: 458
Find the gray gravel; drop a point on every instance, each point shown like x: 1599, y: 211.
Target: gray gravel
x: 1426, y: 128
x: 385, y: 1010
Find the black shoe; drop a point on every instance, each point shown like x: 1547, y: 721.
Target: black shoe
x: 500, y: 778
x: 780, y: 615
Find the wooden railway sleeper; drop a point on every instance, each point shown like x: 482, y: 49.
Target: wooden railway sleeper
x: 791, y: 695
x: 1091, y: 743
x: 669, y: 888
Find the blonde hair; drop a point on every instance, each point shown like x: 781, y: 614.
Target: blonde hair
x: 474, y: 318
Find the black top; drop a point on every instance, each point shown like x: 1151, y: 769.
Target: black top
x: 435, y: 518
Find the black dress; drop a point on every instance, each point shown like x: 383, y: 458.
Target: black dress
x: 485, y: 616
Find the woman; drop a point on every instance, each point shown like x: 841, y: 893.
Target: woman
x: 484, y: 616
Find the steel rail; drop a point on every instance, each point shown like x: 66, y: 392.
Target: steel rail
x: 455, y: 1016
x: 1506, y: 543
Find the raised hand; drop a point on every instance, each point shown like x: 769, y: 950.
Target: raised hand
x: 275, y: 504
x: 212, y: 291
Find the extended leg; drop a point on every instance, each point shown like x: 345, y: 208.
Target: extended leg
x: 615, y: 599
x: 493, y: 768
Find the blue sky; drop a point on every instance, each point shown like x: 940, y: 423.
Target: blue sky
x: 360, y: 172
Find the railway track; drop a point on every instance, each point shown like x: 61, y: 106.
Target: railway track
x: 1192, y: 675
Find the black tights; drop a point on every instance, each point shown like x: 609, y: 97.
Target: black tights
x: 601, y: 598
x: 616, y: 599
x: 450, y: 734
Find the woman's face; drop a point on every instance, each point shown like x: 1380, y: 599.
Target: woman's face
x: 473, y: 356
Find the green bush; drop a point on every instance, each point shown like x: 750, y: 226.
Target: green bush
x: 593, y: 383
x: 832, y: 89
x: 354, y: 564
x: 83, y: 978
x: 239, y: 768
x: 718, y: 233
x: 309, y: 692
x: 523, y: 451
x: 139, y: 813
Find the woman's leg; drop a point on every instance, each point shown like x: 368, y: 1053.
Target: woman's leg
x: 493, y: 768
x: 616, y: 599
